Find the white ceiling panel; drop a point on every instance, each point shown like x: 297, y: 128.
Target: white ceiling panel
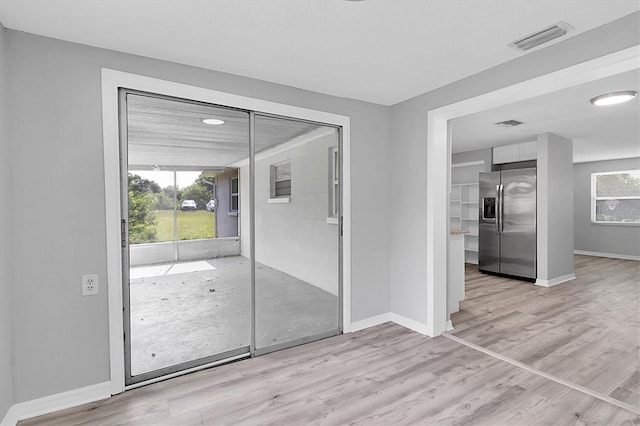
x: 381, y: 51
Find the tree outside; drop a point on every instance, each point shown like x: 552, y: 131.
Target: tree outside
x: 151, y: 210
x: 142, y: 203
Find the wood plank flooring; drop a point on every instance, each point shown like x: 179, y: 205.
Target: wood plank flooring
x: 384, y: 375
x: 586, y: 331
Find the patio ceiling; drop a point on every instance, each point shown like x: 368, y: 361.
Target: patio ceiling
x: 167, y: 133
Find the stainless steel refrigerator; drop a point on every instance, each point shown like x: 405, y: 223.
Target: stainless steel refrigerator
x: 507, y: 223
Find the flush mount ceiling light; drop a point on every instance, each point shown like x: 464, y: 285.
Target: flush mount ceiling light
x: 213, y: 121
x: 614, y: 98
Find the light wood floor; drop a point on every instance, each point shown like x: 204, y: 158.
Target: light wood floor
x: 389, y: 375
x: 586, y: 331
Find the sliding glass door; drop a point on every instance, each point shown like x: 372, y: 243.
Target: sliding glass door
x: 202, y: 185
x: 187, y: 285
x: 296, y: 207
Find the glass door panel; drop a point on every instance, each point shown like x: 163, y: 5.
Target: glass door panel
x: 296, y: 204
x: 187, y: 284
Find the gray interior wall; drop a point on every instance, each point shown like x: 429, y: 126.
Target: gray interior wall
x: 409, y: 151
x: 6, y: 371
x: 611, y: 239
x: 61, y: 338
x: 554, y: 206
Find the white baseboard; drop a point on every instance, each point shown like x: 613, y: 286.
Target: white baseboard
x: 409, y: 323
x: 555, y: 281
x: 393, y: 317
x: 60, y: 401
x: 449, y: 326
x: 611, y: 255
x: 370, y: 322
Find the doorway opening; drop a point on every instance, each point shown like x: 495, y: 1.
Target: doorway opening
x: 537, y: 326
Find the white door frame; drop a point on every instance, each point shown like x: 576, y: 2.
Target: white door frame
x: 439, y: 159
x: 111, y: 81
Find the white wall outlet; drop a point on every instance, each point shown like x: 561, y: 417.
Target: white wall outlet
x: 89, y: 285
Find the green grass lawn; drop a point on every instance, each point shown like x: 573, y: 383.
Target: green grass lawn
x: 192, y: 225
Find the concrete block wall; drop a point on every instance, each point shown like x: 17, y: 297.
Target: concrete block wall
x: 295, y: 237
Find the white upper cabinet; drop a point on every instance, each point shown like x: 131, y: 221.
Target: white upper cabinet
x: 516, y: 152
x: 528, y: 151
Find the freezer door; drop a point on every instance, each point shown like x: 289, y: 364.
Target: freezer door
x: 488, y: 237
x: 518, y: 223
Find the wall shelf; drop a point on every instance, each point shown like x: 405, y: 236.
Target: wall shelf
x: 464, y: 204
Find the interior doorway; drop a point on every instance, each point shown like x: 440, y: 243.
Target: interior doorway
x: 230, y: 233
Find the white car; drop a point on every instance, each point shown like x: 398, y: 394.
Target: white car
x: 188, y: 205
x: 211, y: 205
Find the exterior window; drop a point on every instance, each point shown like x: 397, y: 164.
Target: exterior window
x: 334, y: 179
x: 281, y: 180
x: 615, y: 197
x: 233, y: 194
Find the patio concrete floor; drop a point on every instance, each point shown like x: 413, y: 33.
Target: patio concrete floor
x: 185, y: 311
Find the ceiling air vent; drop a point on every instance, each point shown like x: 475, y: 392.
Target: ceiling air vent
x: 541, y: 37
x: 509, y: 123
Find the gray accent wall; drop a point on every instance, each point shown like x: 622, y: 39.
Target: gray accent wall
x: 61, y: 338
x: 6, y: 357
x: 409, y: 148
x: 610, y: 239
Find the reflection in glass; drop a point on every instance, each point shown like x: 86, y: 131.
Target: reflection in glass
x: 296, y: 246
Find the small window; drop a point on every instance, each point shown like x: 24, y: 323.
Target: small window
x: 281, y: 180
x: 615, y: 197
x: 233, y: 194
x: 334, y: 182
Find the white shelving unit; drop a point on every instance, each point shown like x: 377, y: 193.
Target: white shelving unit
x: 464, y: 207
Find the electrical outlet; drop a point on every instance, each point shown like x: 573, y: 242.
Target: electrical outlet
x: 89, y: 285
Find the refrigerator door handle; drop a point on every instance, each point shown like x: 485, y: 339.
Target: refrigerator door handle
x: 498, y: 203
x: 501, y: 204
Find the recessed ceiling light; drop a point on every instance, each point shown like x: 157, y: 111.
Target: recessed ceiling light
x: 614, y: 98
x: 213, y: 121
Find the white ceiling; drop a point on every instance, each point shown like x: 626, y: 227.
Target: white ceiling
x: 598, y: 133
x: 382, y: 51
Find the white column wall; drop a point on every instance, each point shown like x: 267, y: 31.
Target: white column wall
x: 554, y: 208
x: 6, y: 294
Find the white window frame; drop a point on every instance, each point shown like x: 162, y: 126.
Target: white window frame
x: 594, y: 198
x: 274, y: 180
